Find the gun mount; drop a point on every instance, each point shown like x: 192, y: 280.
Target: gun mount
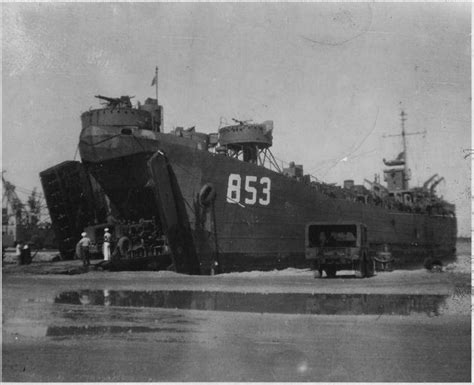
x: 248, y: 139
x: 123, y: 101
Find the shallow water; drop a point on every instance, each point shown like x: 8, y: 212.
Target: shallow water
x: 405, y: 326
x: 280, y: 303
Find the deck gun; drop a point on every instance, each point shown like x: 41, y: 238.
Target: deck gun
x: 123, y: 101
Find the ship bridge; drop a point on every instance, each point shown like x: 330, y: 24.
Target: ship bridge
x: 119, y: 112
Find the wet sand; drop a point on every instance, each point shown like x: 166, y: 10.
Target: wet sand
x: 276, y: 326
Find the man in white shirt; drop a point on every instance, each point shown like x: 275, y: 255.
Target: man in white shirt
x: 106, y: 246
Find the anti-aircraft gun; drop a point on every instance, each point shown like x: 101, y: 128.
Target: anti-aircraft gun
x: 123, y: 101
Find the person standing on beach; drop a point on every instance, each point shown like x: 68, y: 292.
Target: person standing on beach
x: 106, y: 246
x: 26, y: 254
x: 82, y: 249
x: 19, y: 252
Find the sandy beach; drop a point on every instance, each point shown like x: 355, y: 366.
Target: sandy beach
x: 255, y: 326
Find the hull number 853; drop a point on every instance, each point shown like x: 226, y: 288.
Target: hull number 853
x: 255, y: 190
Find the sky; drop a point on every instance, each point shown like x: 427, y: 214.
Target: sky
x: 332, y: 76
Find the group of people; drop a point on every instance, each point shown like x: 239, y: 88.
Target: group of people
x: 83, y: 247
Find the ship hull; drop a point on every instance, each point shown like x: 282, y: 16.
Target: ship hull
x: 258, y: 217
x: 246, y: 235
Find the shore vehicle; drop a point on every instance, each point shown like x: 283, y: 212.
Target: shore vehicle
x: 224, y: 203
x: 339, y: 246
x: 134, y: 245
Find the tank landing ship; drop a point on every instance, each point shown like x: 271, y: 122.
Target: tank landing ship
x: 224, y: 205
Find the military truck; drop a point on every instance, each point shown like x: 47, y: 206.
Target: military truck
x: 338, y: 246
x: 134, y: 246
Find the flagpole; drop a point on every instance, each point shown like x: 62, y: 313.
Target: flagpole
x: 156, y: 84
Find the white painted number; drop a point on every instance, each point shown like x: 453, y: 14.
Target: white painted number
x: 252, y: 190
x: 266, y: 190
x: 235, y: 184
x: 233, y: 188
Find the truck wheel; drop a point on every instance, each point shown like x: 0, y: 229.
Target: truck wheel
x: 123, y: 247
x: 363, y: 267
x: 331, y: 271
x: 317, y: 269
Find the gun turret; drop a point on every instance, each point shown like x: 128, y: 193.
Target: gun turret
x: 241, y: 122
x: 107, y: 99
x: 123, y: 101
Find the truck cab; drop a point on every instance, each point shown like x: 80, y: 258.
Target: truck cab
x: 338, y: 246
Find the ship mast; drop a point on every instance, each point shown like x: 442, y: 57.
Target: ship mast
x: 406, y: 171
x: 156, y: 84
x: 406, y: 176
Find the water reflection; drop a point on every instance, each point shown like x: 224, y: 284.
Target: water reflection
x: 62, y: 331
x: 283, y: 303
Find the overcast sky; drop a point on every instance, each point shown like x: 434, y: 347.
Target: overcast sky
x: 332, y: 76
